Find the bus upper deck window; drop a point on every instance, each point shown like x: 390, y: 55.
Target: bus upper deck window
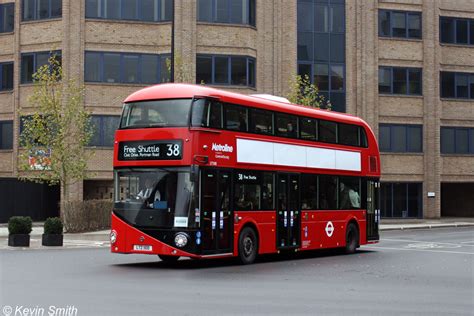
x: 236, y: 117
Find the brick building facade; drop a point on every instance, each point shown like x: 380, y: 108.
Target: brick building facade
x: 348, y: 40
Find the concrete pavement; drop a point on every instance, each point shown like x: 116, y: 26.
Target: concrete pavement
x: 101, y: 238
x: 80, y: 240
x: 402, y: 224
x: 410, y: 272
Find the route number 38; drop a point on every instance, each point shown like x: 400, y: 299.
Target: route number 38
x: 173, y: 150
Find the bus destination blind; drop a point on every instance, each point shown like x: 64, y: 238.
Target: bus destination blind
x: 150, y: 150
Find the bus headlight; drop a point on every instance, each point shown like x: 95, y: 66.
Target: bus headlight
x: 113, y: 237
x: 181, y: 240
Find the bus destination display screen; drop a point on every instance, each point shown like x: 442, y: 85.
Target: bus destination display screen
x: 150, y: 150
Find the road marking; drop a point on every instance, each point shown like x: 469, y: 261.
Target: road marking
x: 420, y: 250
x: 426, y: 241
x: 430, y: 245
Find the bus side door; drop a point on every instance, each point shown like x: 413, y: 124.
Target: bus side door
x: 216, y: 219
x: 373, y: 210
x: 288, y: 211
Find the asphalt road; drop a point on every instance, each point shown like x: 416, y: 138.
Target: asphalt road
x: 409, y: 272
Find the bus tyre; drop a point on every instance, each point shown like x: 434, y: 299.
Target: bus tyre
x: 352, y: 238
x: 168, y: 259
x: 248, y: 245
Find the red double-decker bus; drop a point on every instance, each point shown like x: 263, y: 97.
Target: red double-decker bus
x: 200, y: 172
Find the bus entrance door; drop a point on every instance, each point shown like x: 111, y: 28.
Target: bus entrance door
x: 216, y: 216
x: 288, y: 211
x: 373, y: 210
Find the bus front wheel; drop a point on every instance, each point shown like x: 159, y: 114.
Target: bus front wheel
x: 168, y: 259
x: 352, y: 238
x: 248, y: 245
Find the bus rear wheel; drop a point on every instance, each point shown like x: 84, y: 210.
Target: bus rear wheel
x: 168, y: 259
x: 352, y: 238
x: 248, y: 245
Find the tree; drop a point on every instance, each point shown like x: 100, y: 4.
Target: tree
x: 303, y: 92
x: 54, y: 135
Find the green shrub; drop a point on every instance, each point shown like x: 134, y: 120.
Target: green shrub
x: 20, y: 225
x: 88, y: 215
x: 53, y: 225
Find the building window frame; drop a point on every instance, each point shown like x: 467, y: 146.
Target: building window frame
x: 407, y: 80
x: 456, y: 141
x: 250, y: 70
x: 407, y: 28
x: 408, y: 137
x: 122, y: 55
x: 454, y: 33
x: 24, y: 80
x: 101, y: 129
x: 390, y: 187
x: 162, y: 11
x: 9, y: 85
x: 8, y: 144
x: 331, y: 28
x: 35, y: 11
x: 457, y: 75
x: 3, y: 24
x: 251, y: 9
x: 329, y: 76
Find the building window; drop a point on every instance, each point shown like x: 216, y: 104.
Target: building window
x: 125, y: 68
x: 104, y: 127
x: 457, y: 85
x: 6, y: 134
x: 7, y: 17
x: 399, y: 24
x: 31, y: 62
x: 321, y: 48
x: 400, y: 138
x: 401, y: 200
x: 6, y: 76
x: 135, y: 10
x: 456, y: 31
x: 457, y: 140
x: 226, y: 11
x: 225, y: 70
x: 396, y: 80
x: 41, y: 9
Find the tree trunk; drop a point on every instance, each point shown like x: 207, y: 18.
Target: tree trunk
x: 70, y: 192
x: 64, y: 198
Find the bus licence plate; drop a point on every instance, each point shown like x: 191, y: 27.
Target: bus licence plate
x: 142, y: 247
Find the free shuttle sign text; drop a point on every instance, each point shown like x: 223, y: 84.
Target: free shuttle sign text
x: 150, y: 150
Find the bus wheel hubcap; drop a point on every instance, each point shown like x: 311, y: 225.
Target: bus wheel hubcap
x: 248, y: 246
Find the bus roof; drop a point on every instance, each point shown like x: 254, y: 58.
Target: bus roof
x: 179, y: 90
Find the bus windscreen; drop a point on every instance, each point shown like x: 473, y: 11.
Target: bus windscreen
x: 156, y: 198
x: 160, y: 113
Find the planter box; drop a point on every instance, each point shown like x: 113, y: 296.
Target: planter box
x: 19, y: 240
x: 52, y: 240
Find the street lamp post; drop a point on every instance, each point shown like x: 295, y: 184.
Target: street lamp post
x: 172, y: 42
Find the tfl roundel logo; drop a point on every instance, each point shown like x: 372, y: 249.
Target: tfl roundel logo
x: 329, y: 229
